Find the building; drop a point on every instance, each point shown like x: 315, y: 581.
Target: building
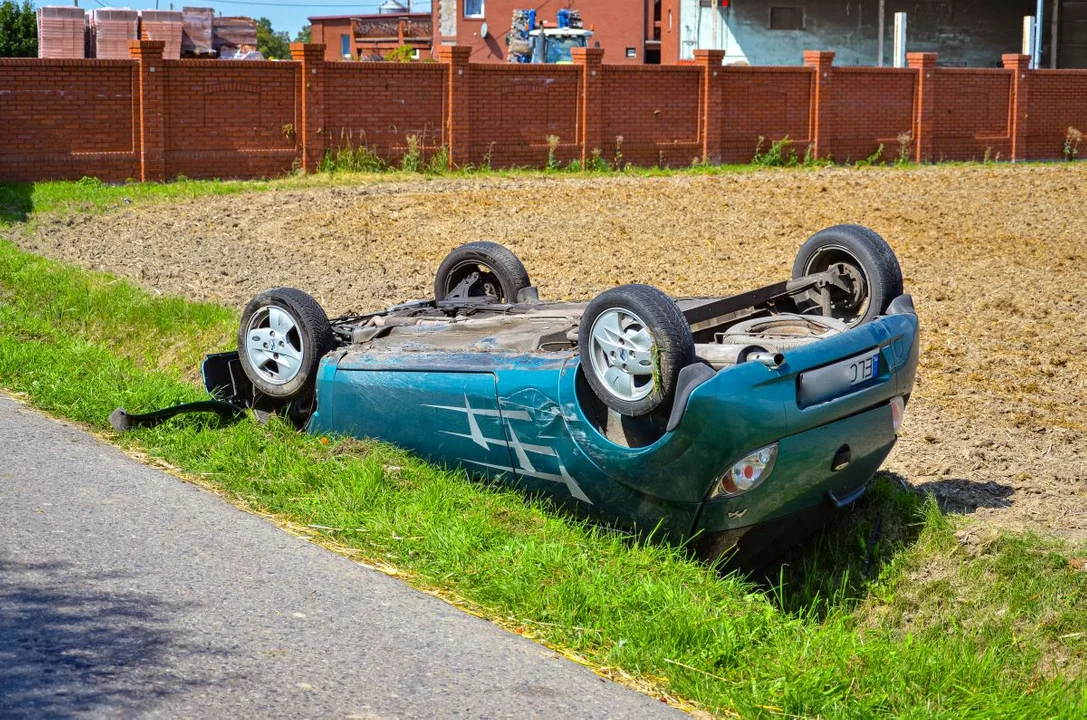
x: 364, y: 37
x: 963, y: 33
x: 624, y: 28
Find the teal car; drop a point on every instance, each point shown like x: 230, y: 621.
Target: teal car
x: 704, y: 420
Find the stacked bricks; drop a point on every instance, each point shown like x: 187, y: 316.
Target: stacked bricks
x: 61, y: 32
x: 164, y: 25
x: 112, y: 30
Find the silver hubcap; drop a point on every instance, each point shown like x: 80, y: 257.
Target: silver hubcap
x: 273, y: 345
x: 622, y: 354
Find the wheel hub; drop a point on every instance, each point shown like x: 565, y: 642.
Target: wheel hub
x: 621, y: 350
x: 273, y: 345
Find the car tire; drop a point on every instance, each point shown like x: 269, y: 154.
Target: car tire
x: 633, y: 340
x: 865, y: 254
x: 502, y: 274
x: 294, y: 324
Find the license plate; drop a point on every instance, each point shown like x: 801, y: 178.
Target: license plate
x: 844, y: 376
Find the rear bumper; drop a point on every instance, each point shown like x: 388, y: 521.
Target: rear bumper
x: 804, y: 477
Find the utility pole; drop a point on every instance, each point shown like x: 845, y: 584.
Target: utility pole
x: 1036, y: 58
x: 900, y: 40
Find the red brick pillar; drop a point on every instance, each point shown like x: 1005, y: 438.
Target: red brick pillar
x: 457, y: 131
x: 924, y: 104
x: 151, y: 120
x: 1019, y: 65
x: 311, y: 130
x: 590, y: 60
x: 711, y: 104
x: 821, y: 62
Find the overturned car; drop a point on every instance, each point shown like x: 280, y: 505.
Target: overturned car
x: 704, y: 418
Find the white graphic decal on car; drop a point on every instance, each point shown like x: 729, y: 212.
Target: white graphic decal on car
x: 521, y: 450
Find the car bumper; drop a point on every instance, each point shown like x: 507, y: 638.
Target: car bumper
x: 809, y: 473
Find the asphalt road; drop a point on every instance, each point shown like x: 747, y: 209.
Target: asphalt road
x: 124, y: 591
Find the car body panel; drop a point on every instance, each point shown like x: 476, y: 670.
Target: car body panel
x: 519, y: 417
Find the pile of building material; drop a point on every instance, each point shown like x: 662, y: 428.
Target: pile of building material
x: 196, y: 36
x: 518, y: 39
x: 111, y: 29
x: 235, y: 38
x: 62, y: 32
x: 165, y: 25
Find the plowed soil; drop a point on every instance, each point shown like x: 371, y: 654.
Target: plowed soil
x: 993, y: 255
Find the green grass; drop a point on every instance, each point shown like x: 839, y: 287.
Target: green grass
x: 928, y: 631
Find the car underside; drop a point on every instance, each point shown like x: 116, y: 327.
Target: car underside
x: 701, y: 417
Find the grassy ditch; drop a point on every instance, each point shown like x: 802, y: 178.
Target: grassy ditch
x: 914, y: 624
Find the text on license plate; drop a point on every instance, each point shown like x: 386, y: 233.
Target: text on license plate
x: 826, y: 383
x: 863, y: 368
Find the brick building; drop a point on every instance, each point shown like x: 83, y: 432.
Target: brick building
x: 756, y: 32
x: 369, y: 36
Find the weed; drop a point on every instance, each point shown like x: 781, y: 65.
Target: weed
x: 780, y: 153
x: 575, y: 166
x: 617, y: 160
x: 412, y: 160
x: 349, y: 157
x: 485, y: 164
x: 597, y: 163
x: 905, y: 149
x: 439, y: 162
x: 1071, y: 143
x: 874, y: 159
x: 552, y: 146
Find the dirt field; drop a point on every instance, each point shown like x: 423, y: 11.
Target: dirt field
x: 994, y: 257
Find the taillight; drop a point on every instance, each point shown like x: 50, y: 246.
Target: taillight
x: 747, y: 473
x: 898, y: 411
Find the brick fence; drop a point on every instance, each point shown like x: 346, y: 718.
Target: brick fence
x: 153, y: 119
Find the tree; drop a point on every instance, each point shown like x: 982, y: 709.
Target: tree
x: 272, y: 44
x: 305, y: 35
x: 18, y: 29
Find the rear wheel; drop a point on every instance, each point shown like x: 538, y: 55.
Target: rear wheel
x: 633, y: 340
x: 282, y: 337
x: 866, y: 264
x: 481, y: 269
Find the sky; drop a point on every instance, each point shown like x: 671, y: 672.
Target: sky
x: 285, y: 14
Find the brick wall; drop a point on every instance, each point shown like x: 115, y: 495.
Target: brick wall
x: 771, y: 103
x: 66, y: 119
x: 379, y: 105
x: 1056, y: 100
x: 971, y: 114
x: 514, y: 108
x: 654, y: 109
x: 229, y: 118
x: 869, y: 107
x: 155, y: 119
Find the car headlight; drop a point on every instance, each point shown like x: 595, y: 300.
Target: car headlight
x: 747, y: 473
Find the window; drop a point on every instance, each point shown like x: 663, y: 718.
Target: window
x: 345, y: 45
x: 786, y: 18
x: 632, y: 52
x: 473, y: 8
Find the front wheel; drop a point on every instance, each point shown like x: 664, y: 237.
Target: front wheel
x: 281, y: 338
x: 633, y: 341
x: 866, y: 263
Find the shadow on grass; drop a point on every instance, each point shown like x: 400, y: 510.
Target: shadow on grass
x: 835, y: 565
x: 16, y: 202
